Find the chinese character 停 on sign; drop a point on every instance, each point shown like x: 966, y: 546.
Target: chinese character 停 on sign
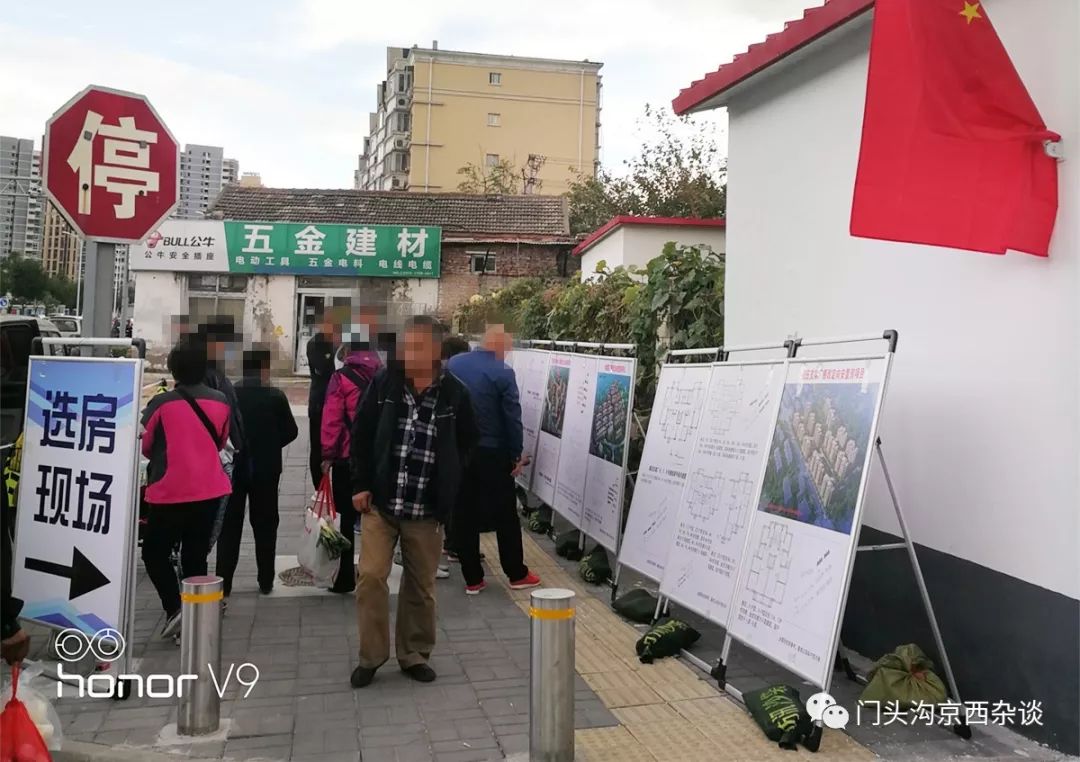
x: 125, y: 166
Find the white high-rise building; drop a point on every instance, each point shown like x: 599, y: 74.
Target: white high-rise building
x: 204, y: 171
x: 21, y: 215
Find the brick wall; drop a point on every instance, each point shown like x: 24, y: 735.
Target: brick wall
x: 512, y: 261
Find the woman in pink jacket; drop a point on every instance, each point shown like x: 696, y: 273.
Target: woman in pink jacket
x: 347, y: 386
x: 183, y: 431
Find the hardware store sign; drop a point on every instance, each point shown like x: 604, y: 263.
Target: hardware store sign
x: 287, y: 248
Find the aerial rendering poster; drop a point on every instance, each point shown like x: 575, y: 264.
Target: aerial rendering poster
x: 608, y: 438
x: 818, y: 450
x: 558, y: 384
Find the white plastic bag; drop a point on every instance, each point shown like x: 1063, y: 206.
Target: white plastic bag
x: 39, y: 707
x: 312, y: 556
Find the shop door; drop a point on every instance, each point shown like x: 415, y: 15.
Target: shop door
x: 310, y: 309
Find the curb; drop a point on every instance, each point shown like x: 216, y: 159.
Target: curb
x: 75, y: 751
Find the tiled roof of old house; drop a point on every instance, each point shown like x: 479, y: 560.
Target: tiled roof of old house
x: 464, y: 216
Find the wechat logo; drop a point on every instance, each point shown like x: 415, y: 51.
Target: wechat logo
x: 823, y: 708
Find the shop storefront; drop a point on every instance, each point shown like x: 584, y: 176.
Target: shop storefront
x: 274, y: 276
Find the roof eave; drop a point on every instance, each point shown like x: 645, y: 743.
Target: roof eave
x: 717, y: 89
x: 615, y: 223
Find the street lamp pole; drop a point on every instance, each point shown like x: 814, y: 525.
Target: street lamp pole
x: 78, y: 281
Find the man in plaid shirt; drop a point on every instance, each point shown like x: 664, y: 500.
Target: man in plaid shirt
x: 413, y: 434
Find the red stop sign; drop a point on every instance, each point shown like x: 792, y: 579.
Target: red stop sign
x: 111, y: 165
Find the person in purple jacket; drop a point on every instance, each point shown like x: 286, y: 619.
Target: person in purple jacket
x: 343, y: 394
x: 183, y: 431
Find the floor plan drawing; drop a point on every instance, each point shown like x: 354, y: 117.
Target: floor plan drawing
x: 703, y: 495
x: 771, y: 564
x: 724, y: 403
x: 681, y: 411
x: 738, y: 493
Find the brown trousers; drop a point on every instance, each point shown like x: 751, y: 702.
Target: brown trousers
x: 421, y: 546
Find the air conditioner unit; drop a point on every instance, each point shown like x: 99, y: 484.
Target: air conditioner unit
x: 399, y: 143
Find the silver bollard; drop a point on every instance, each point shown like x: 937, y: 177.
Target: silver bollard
x: 551, y: 676
x: 200, y: 651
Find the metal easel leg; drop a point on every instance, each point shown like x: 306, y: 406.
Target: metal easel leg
x: 659, y: 609
x: 961, y: 729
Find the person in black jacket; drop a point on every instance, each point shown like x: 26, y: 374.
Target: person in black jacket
x: 14, y: 642
x: 412, y: 435
x: 270, y: 427
x: 218, y: 335
x: 320, y: 357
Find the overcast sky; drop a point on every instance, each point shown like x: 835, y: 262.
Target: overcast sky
x: 285, y: 85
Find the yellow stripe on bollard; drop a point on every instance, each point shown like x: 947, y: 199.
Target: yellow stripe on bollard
x: 202, y: 597
x: 536, y: 613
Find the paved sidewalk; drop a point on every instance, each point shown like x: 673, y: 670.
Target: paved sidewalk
x: 304, y: 643
x: 302, y: 708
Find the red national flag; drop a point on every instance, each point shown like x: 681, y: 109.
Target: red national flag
x: 952, y: 144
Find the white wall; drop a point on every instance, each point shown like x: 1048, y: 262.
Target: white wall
x: 159, y: 296
x: 639, y: 244
x: 609, y: 250
x: 982, y: 416
x: 270, y: 315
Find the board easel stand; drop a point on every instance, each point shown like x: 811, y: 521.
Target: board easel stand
x: 715, y: 354
x: 120, y: 689
x: 599, y: 348
x: 719, y: 670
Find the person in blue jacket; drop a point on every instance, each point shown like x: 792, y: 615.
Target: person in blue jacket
x: 488, y: 498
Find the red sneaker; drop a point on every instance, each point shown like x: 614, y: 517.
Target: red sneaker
x: 529, y: 580
x: 475, y: 589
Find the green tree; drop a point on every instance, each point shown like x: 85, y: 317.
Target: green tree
x: 25, y: 280
x: 62, y: 290
x: 501, y: 178
x: 679, y: 172
x: 23, y: 277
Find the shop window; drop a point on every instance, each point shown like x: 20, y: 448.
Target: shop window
x: 211, y: 295
x: 481, y: 263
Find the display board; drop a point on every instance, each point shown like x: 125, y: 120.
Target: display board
x: 609, y: 437
x: 673, y: 424
x: 577, y: 427
x: 531, y: 370
x: 552, y: 420
x: 792, y: 582
x: 721, y: 486
x: 74, y: 526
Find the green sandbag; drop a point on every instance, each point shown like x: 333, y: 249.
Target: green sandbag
x: 780, y: 713
x: 638, y: 605
x: 538, y: 524
x: 904, y: 677
x: 665, y: 639
x: 595, y: 568
x: 567, y: 545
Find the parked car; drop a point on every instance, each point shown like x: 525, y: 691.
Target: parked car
x: 68, y: 325
x: 17, y: 334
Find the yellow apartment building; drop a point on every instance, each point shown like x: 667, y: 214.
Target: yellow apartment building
x: 60, y: 245
x: 439, y: 110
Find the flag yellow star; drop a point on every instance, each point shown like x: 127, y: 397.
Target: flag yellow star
x: 971, y: 11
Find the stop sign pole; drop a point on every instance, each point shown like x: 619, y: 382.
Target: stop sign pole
x: 111, y: 168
